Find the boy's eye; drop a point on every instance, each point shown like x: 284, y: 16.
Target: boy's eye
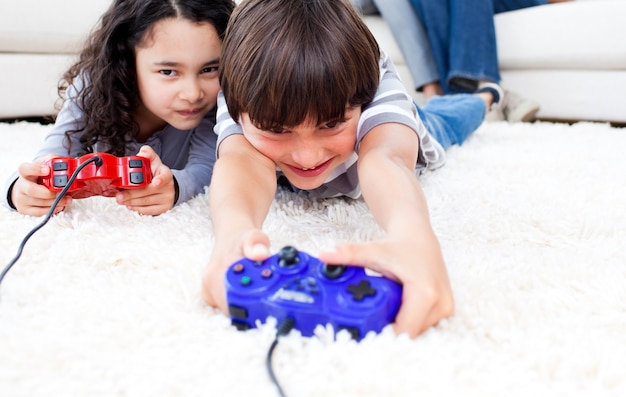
x: 209, y: 69
x: 332, y: 124
x: 276, y: 130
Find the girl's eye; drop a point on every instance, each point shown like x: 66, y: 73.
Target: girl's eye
x: 167, y: 72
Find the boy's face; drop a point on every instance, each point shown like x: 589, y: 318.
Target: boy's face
x: 307, y: 153
x: 177, y: 73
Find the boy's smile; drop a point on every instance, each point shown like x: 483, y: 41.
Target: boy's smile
x: 311, y: 172
x: 307, y: 154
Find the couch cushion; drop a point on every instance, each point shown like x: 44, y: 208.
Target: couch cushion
x: 572, y: 35
x: 571, y: 95
x: 35, y: 26
x: 32, y: 90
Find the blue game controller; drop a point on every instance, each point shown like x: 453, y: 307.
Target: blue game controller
x: 295, y: 285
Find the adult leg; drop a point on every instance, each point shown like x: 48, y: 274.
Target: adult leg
x: 411, y: 36
x: 434, y: 18
x: 473, y: 50
x: 366, y: 7
x: 510, y: 5
x: 462, y: 38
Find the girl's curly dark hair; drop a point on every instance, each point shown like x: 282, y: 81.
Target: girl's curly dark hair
x: 107, y: 89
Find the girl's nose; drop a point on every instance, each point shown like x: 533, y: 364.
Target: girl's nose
x: 192, y: 91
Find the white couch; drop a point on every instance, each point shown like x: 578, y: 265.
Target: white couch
x: 570, y: 57
x: 39, y: 39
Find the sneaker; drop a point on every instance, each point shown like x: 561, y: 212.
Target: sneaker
x: 517, y: 109
x: 496, y: 92
x: 495, y: 114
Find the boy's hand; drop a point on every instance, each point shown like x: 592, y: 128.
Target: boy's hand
x: 253, y: 244
x: 31, y: 198
x: 427, y: 295
x: 158, y: 196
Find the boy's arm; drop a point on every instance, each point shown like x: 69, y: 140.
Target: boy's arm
x: 242, y: 190
x: 410, y: 252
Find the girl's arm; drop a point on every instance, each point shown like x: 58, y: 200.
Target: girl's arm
x: 21, y: 191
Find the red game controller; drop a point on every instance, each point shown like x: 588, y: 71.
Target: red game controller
x: 99, y: 178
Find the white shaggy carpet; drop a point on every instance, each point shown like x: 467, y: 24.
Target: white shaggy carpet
x: 532, y: 220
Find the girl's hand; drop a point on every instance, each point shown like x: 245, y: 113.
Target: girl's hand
x: 158, y: 196
x: 419, y: 267
x: 31, y: 198
x: 253, y: 244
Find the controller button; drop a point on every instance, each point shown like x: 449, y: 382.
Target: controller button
x: 266, y: 273
x: 245, y: 280
x: 333, y: 271
x: 238, y: 312
x: 136, y: 178
x: 258, y: 263
x: 238, y: 268
x: 60, y: 180
x: 288, y: 256
x: 135, y: 163
x: 60, y: 166
x: 361, y: 290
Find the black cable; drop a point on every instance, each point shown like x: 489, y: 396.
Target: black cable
x: 98, y: 161
x: 285, y: 327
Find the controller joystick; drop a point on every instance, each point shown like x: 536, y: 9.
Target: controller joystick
x: 105, y: 176
x: 288, y: 256
x: 333, y: 271
x: 292, y: 284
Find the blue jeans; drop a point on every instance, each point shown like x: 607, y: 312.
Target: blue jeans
x: 450, y: 119
x: 510, y: 5
x: 463, y: 39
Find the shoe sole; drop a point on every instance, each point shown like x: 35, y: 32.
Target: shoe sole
x: 525, y: 112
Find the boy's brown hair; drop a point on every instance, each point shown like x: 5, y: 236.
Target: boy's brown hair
x: 287, y: 61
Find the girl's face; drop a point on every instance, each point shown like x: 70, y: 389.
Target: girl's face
x: 177, y: 74
x: 308, y: 153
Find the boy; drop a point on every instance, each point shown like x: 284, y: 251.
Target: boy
x: 315, y: 99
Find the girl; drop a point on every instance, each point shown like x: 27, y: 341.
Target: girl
x: 146, y: 83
